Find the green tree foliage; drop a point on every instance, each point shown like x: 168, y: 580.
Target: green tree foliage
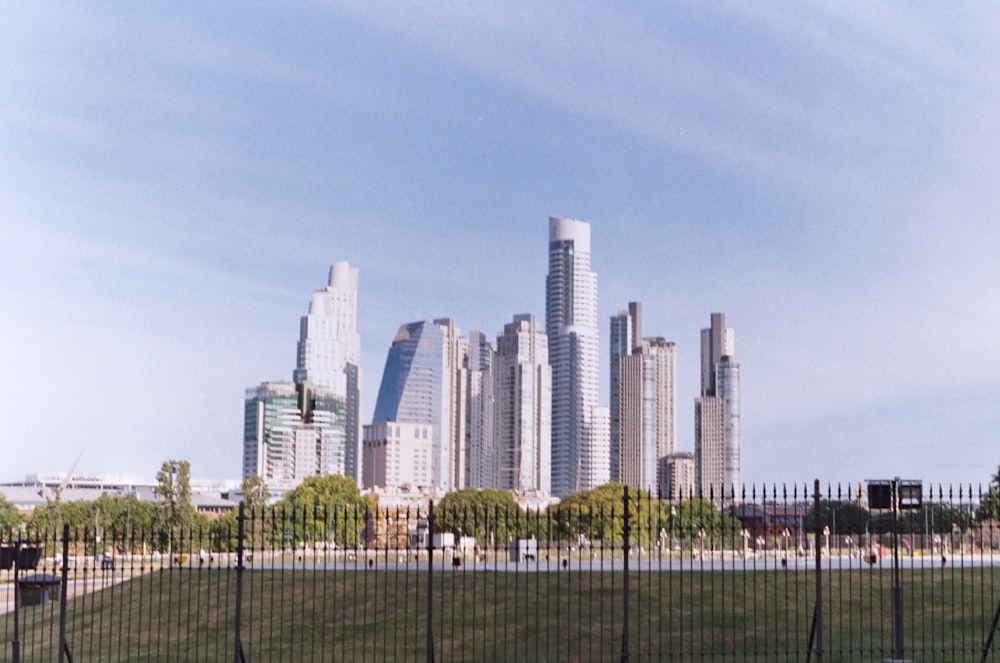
x: 179, y: 525
x: 989, y: 503
x: 173, y: 487
x: 10, y: 519
x: 492, y: 516
x: 842, y: 517
x: 255, y: 492
x: 119, y: 523
x: 124, y: 522
x: 327, y: 508
x: 258, y: 525
x: 599, y: 514
x: 697, y: 517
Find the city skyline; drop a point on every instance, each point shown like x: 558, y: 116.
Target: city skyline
x: 175, y: 183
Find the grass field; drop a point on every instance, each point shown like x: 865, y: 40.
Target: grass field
x: 382, y: 615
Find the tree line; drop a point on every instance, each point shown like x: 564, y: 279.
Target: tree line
x: 330, y: 510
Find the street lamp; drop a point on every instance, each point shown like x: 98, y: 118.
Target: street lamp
x: 895, y: 495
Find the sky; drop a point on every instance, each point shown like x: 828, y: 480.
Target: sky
x: 177, y: 178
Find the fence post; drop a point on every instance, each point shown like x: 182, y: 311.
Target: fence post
x: 240, y: 532
x: 64, y: 586
x: 819, y: 579
x: 626, y: 531
x: 430, y: 583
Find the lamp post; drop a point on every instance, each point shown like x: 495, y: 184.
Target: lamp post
x: 673, y: 517
x: 896, y: 495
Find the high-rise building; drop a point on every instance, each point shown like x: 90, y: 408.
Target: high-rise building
x: 329, y: 353
x: 578, y: 460
x: 425, y: 382
x: 677, y: 476
x: 643, y: 401
x: 482, y: 461
x: 523, y: 402
x: 718, y: 437
x: 292, y: 431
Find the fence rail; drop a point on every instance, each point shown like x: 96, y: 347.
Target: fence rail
x: 779, y: 575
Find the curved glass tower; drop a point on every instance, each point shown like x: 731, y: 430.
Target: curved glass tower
x: 424, y: 383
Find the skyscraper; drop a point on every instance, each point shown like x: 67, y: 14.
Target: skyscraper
x: 718, y: 437
x: 482, y: 462
x: 310, y: 426
x: 523, y: 402
x: 425, y: 382
x: 329, y: 353
x: 579, y: 459
x: 643, y: 401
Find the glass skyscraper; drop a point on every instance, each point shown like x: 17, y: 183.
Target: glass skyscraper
x: 424, y: 382
x: 292, y: 431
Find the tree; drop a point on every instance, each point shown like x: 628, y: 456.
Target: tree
x: 174, y: 488
x: 322, y: 508
x: 176, y: 513
x: 989, y: 503
x: 842, y: 517
x: 255, y: 492
x: 491, y: 516
x: 698, y: 517
x: 599, y: 514
x: 10, y: 519
x: 123, y: 522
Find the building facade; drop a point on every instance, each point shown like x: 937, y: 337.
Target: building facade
x: 718, y: 435
x: 523, y: 409
x: 292, y: 431
x: 398, y: 454
x: 677, y: 476
x: 329, y: 353
x: 643, y: 401
x: 482, y: 461
x: 578, y: 463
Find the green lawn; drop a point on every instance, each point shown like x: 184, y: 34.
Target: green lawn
x: 381, y: 615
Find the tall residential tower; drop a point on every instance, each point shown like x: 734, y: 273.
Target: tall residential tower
x: 643, y: 401
x: 580, y: 457
x: 523, y: 397
x: 718, y: 438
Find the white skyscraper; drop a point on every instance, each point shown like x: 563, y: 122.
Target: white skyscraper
x: 578, y: 460
x: 329, y: 352
x: 523, y: 402
x: 718, y: 438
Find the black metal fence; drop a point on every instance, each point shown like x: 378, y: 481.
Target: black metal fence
x: 786, y: 574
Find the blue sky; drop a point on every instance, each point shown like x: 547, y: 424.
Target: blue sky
x: 176, y: 179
